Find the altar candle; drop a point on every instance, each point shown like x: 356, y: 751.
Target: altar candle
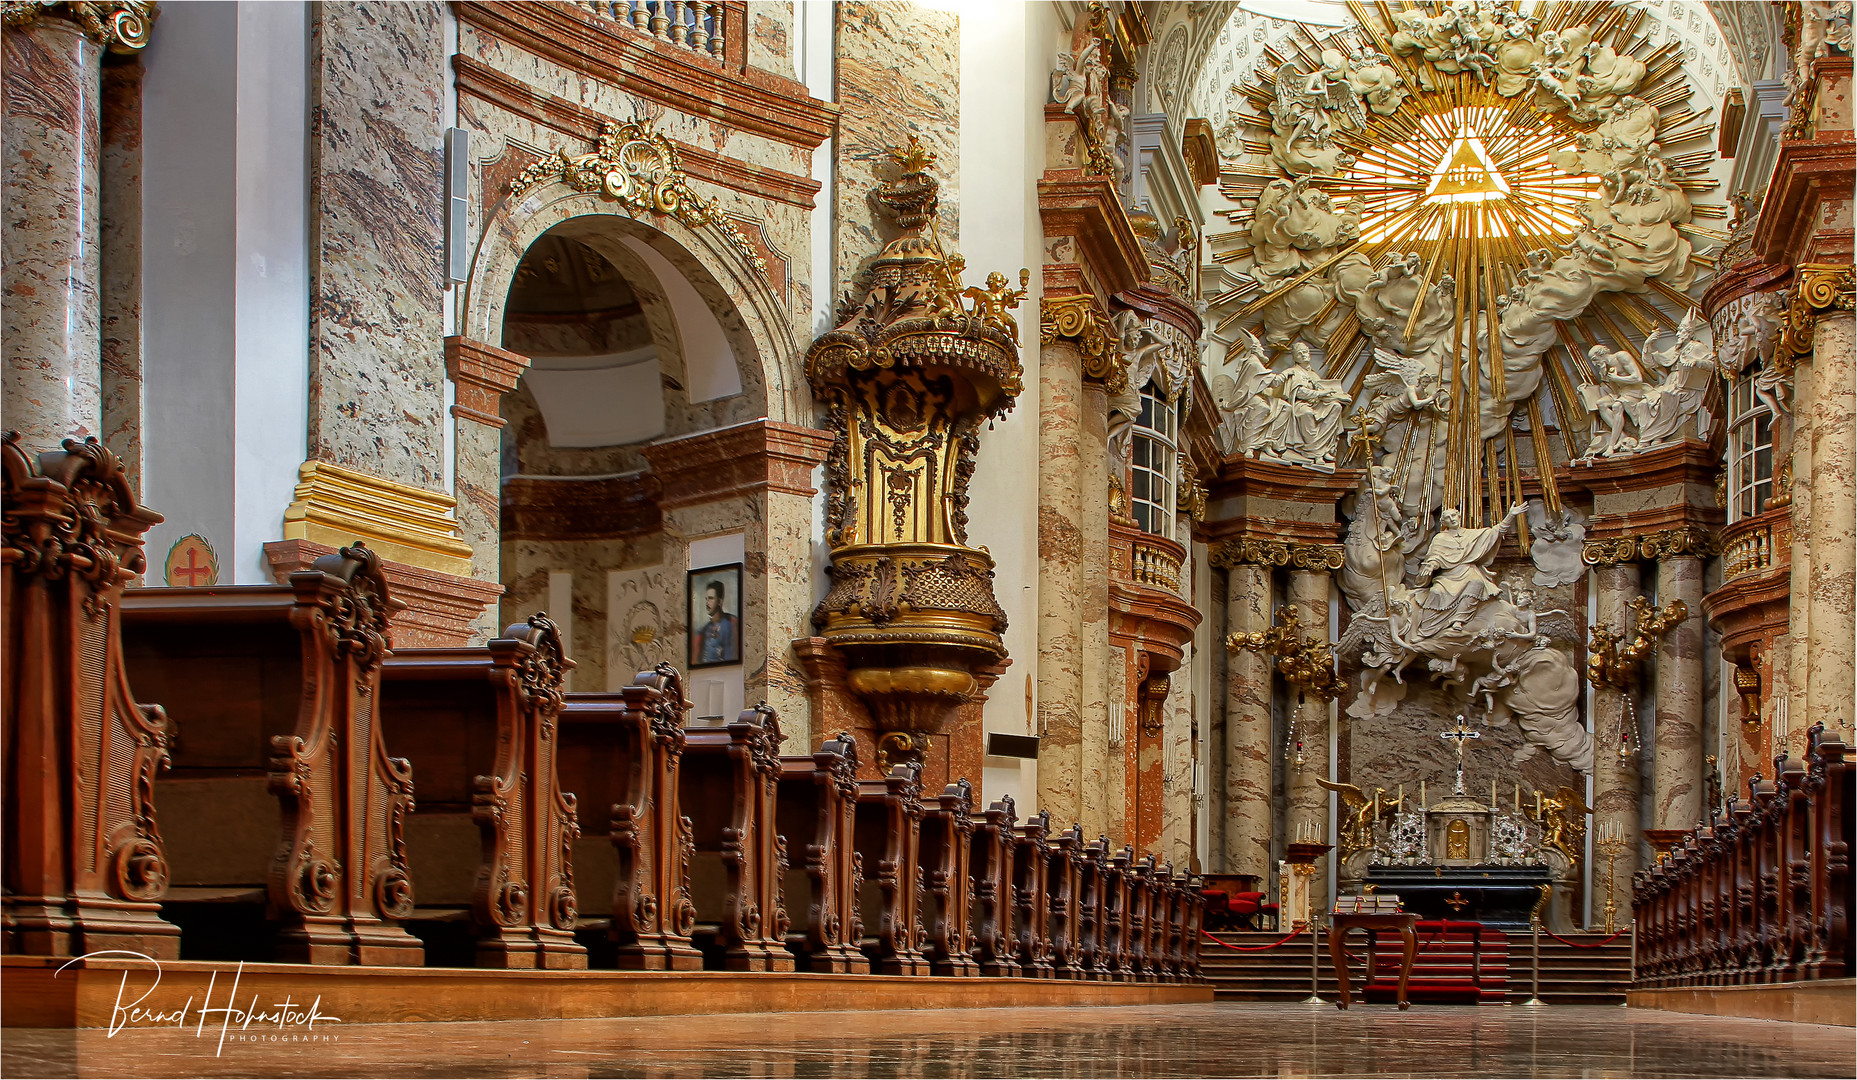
x: 1492, y: 793
x: 1537, y: 804
x: 1421, y: 794
x: 1402, y: 796
x: 1518, y: 796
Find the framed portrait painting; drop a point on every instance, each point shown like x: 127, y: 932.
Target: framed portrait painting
x: 715, y: 608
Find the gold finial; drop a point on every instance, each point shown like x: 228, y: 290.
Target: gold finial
x: 913, y: 158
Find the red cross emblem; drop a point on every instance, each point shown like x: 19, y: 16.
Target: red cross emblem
x: 191, y: 562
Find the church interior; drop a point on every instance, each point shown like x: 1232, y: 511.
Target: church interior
x: 1069, y: 537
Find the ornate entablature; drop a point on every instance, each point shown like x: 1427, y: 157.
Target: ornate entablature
x: 914, y: 368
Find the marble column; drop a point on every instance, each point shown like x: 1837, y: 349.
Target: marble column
x: 1105, y: 780
x: 1247, y: 801
x: 1617, y: 781
x: 1308, y: 801
x: 49, y: 123
x: 1791, y: 707
x: 1676, y: 770
x: 1060, y: 584
x: 1831, y: 583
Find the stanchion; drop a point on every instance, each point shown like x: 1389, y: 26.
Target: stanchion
x: 1534, y: 935
x: 1315, y: 962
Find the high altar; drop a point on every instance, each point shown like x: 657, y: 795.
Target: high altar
x: 1464, y: 858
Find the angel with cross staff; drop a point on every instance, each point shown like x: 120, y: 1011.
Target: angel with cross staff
x: 1458, y: 736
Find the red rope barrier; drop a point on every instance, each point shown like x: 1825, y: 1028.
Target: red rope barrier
x: 1250, y: 948
x: 1594, y: 945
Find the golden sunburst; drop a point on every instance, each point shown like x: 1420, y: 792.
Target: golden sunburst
x: 1473, y: 182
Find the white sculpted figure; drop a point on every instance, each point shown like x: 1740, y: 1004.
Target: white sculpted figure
x: 1292, y: 415
x: 1457, y: 563
x: 1661, y: 406
x: 1142, y: 348
x: 1558, y: 541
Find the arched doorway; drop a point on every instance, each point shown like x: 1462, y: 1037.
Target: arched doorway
x: 625, y: 351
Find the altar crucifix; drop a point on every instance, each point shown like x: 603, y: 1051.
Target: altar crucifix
x: 1457, y: 736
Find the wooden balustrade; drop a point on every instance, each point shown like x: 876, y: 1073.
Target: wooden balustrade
x: 1762, y: 893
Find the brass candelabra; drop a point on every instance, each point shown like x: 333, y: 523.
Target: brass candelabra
x: 1611, y: 843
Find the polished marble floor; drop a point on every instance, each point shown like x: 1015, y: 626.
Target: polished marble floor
x: 1252, y: 1040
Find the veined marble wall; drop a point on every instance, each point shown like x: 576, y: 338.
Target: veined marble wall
x: 898, y: 75
x: 377, y: 370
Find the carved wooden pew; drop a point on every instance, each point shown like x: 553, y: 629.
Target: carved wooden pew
x: 817, y: 815
x: 1115, y: 928
x: 491, y: 842
x: 1834, y: 784
x: 729, y: 788
x: 1064, y: 907
x: 1031, y: 888
x: 1138, y: 960
x: 621, y: 754
x: 81, y: 857
x: 1092, y: 888
x: 1762, y: 893
x: 888, y: 837
x: 991, y: 908
x: 947, y: 835
x: 283, y: 796
x: 1193, y: 927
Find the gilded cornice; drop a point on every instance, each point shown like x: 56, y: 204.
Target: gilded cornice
x: 1252, y: 549
x: 640, y: 170
x: 1818, y: 288
x: 1684, y: 540
x: 1077, y: 319
x: 121, y: 26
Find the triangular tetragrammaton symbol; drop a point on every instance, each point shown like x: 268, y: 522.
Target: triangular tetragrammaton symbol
x: 1466, y: 173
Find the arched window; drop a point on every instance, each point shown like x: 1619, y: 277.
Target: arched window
x: 1750, y: 449
x: 1155, y: 469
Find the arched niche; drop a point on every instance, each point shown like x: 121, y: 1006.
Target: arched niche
x: 639, y: 330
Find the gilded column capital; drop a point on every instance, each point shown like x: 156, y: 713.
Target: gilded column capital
x: 1818, y: 288
x: 1251, y: 549
x: 1684, y: 540
x: 1078, y: 319
x: 121, y: 26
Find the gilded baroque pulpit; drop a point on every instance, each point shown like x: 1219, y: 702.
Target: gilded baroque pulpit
x: 908, y: 377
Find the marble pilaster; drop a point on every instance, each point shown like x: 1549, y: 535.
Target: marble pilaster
x: 1060, y: 583
x: 1307, y: 804
x: 1676, y: 770
x: 1617, y: 781
x: 1105, y: 785
x: 377, y: 233
x: 49, y: 123
x: 1831, y: 581
x: 483, y: 374
x: 1247, y: 765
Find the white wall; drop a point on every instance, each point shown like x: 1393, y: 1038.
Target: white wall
x: 225, y: 306
x: 1006, y: 58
